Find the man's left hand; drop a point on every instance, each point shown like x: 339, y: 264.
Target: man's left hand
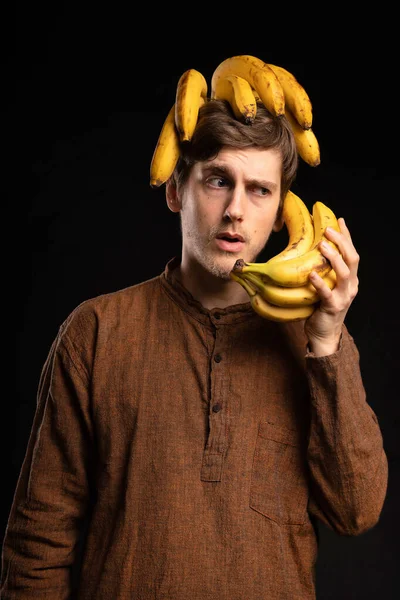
x: 323, y: 328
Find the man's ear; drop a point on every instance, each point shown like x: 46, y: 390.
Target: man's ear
x: 172, y: 197
x: 279, y: 222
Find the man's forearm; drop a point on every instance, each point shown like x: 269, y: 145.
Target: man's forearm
x: 348, y: 465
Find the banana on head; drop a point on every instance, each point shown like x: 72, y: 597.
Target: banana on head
x: 240, y: 95
x: 306, y: 141
x: 296, y: 97
x: 166, y: 152
x: 243, y: 81
x: 260, y: 77
x: 191, y: 92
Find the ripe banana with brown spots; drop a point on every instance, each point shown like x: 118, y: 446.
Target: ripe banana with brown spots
x: 191, y: 92
x: 295, y: 272
x: 270, y: 311
x: 239, y: 93
x: 300, y: 228
x: 296, y: 98
x: 260, y: 77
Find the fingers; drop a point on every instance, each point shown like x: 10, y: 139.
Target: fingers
x: 344, y: 261
x: 337, y: 261
x: 345, y: 245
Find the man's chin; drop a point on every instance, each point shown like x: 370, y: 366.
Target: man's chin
x: 222, y: 267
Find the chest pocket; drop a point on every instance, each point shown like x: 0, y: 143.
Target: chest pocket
x: 279, y: 484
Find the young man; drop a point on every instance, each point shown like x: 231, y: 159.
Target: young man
x: 198, y: 443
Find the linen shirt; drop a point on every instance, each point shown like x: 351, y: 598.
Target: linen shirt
x: 199, y: 448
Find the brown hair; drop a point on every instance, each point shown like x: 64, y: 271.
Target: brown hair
x: 218, y: 128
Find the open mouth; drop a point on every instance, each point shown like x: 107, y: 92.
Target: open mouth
x: 229, y: 239
x: 230, y: 244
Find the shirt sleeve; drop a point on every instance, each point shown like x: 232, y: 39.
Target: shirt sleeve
x: 346, y: 458
x: 52, y: 493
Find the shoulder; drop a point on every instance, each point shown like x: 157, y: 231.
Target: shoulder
x: 110, y: 310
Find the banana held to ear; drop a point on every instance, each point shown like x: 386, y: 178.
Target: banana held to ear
x: 260, y: 77
x: 166, y: 152
x: 269, y: 311
x: 295, y: 272
x: 239, y: 93
x: 306, y: 142
x: 302, y: 295
x: 191, y: 92
x: 299, y: 225
x: 296, y: 97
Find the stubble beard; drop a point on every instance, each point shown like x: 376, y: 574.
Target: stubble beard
x: 211, y: 260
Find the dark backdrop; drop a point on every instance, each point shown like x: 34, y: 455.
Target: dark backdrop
x: 87, y: 93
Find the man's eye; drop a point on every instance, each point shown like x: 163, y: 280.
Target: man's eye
x: 217, y: 181
x: 263, y: 191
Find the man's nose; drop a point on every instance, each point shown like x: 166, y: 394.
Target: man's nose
x: 236, y: 204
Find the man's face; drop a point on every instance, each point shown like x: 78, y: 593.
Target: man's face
x: 228, y: 208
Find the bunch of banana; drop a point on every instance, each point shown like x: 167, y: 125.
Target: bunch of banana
x: 273, y: 86
x: 179, y: 125
x: 279, y: 289
x: 243, y: 81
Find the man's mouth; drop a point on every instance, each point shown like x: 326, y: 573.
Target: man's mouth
x: 231, y: 242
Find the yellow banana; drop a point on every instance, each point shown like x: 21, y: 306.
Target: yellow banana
x: 306, y: 142
x: 280, y: 313
x: 238, y: 92
x: 295, y: 271
x: 269, y: 311
x: 296, y: 97
x: 259, y: 76
x: 191, y: 90
x: 166, y: 152
x: 299, y: 225
x: 302, y: 295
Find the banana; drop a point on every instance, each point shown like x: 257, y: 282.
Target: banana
x: 295, y: 271
x: 191, y: 89
x: 238, y: 92
x: 296, y: 97
x: 280, y: 313
x: 269, y: 311
x: 260, y: 77
x: 302, y: 295
x: 306, y: 142
x: 299, y: 225
x: 166, y: 152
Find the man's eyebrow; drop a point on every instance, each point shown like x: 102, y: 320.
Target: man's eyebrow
x: 220, y: 169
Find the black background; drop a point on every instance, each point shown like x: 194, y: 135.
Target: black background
x: 86, y: 94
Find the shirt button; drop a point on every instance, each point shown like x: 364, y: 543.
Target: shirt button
x: 217, y: 358
x: 217, y: 316
x: 216, y: 407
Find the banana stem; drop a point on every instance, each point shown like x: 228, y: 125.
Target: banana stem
x: 254, y: 268
x: 248, y: 287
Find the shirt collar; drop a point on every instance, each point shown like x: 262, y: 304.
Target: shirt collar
x: 181, y: 295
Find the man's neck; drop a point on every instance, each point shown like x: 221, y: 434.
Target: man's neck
x: 210, y: 290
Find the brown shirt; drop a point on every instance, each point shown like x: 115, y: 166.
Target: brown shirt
x: 202, y: 446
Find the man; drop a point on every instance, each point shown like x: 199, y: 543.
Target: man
x: 198, y: 442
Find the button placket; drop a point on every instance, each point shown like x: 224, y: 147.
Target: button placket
x: 214, y: 451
